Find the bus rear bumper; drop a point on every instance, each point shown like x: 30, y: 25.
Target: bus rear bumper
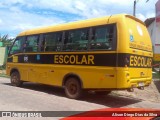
x: 138, y: 83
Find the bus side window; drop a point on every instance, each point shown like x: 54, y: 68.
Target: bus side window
x: 52, y: 41
x: 111, y: 35
x: 59, y: 41
x: 31, y: 44
x: 84, y: 39
x: 67, y: 41
x: 76, y: 40
x: 102, y: 37
x: 17, y: 46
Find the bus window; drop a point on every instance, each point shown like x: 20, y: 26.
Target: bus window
x: 17, y: 46
x: 76, y: 40
x: 102, y: 38
x: 52, y: 42
x: 59, y: 41
x: 31, y: 44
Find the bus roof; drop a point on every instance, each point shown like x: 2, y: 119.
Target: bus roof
x: 78, y: 24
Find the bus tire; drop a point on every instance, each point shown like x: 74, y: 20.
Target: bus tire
x: 101, y: 93
x: 73, y: 88
x: 15, y: 79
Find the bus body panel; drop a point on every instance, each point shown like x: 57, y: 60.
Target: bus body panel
x: 104, y: 78
x: 138, y: 71
x: 52, y: 74
x: 132, y: 40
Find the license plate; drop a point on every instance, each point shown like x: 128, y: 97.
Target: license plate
x: 141, y: 84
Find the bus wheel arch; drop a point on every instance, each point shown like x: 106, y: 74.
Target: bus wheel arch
x: 73, y: 86
x: 14, y: 70
x: 15, y: 78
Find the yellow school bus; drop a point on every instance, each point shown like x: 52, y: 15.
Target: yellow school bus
x: 100, y: 55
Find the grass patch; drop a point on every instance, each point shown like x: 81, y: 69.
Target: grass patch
x: 156, y: 75
x: 4, y: 75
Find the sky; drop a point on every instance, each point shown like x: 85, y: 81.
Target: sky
x: 19, y: 15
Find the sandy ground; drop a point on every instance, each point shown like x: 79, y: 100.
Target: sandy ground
x: 150, y: 93
x: 38, y: 97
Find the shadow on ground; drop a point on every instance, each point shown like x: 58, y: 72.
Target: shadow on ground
x: 110, y: 100
x: 157, y: 84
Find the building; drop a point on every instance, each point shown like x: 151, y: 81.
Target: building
x: 153, y: 25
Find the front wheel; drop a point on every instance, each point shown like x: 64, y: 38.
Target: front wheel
x: 73, y: 88
x: 15, y: 79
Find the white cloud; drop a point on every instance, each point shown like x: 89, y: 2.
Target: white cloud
x: 117, y: 2
x: 16, y: 17
x: 80, y: 5
x: 150, y: 15
x: 17, y: 20
x: 1, y: 22
x: 141, y: 17
x: 92, y: 8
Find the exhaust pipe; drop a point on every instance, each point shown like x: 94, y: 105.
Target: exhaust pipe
x: 141, y: 88
x: 130, y: 90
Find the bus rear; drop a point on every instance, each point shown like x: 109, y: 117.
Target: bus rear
x: 137, y: 70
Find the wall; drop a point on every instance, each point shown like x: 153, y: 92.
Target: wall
x: 2, y: 55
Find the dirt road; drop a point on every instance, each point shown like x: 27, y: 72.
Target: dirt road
x: 36, y: 97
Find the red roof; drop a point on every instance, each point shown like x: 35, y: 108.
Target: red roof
x: 149, y: 21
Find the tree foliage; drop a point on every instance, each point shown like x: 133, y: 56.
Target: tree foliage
x: 6, y: 40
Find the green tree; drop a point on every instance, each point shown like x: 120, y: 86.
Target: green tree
x: 6, y: 40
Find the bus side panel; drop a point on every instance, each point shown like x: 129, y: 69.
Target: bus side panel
x: 22, y: 69
x: 92, y: 77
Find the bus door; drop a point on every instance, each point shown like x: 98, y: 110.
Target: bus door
x: 31, y: 46
x: 51, y: 42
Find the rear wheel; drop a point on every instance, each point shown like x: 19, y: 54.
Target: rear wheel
x: 73, y: 88
x: 15, y: 79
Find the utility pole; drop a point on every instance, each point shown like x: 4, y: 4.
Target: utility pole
x: 134, y: 8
